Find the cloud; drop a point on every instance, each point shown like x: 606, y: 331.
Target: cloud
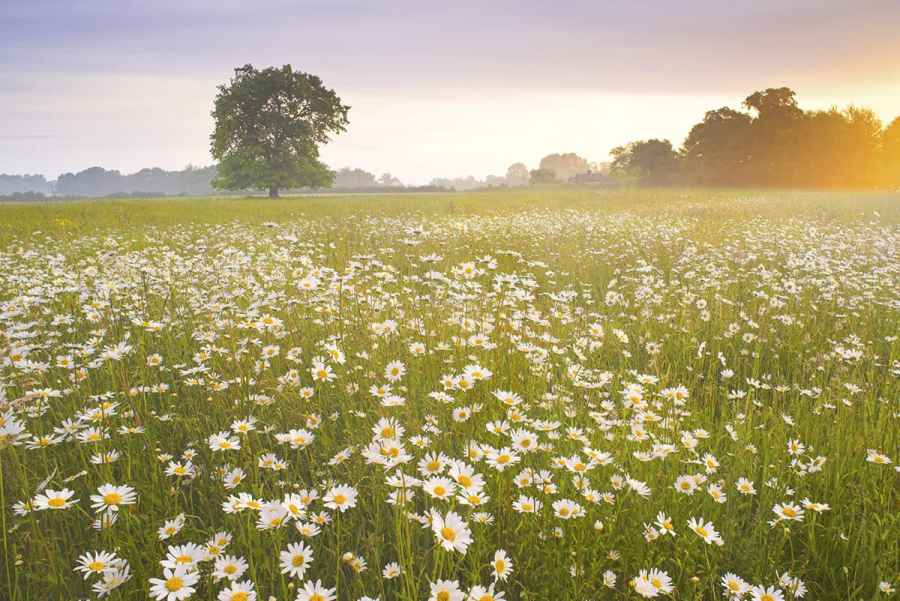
x: 144, y: 73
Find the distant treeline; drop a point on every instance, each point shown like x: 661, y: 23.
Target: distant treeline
x: 97, y: 181
x: 773, y: 143
x: 192, y: 181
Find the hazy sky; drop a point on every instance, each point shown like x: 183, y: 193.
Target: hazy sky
x: 437, y: 88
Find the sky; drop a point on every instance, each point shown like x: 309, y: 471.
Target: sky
x: 437, y: 89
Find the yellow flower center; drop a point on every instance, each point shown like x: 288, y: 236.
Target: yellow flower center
x: 239, y: 596
x: 448, y: 533
x: 56, y: 502
x: 443, y: 596
x: 96, y: 566
x: 298, y: 560
x: 174, y: 584
x: 339, y: 499
x: 440, y: 490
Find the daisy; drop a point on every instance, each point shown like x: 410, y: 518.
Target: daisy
x: 877, y: 457
x: 432, y: 464
x: 706, y: 531
x: 112, y: 579
x: 391, y: 570
x: 229, y: 567
x: 566, y: 509
x: 734, y: 586
x: 272, y: 515
x: 664, y: 523
x: 652, y: 583
x: 238, y: 591
x: 609, y: 579
x: 296, y: 559
x: 759, y: 593
x: 54, y: 499
x: 446, y: 590
x: 525, y: 504
x: 233, y: 478
x: 502, y: 459
x: 223, y: 441
x: 451, y: 531
x: 341, y: 498
x: 314, y: 591
x: 788, y: 511
x: 171, y: 527
x: 183, y: 556
x: 817, y: 507
x: 96, y: 563
x: 394, y: 371
x: 112, y: 496
x: 175, y: 585
x: 439, y: 488
x: 686, y: 485
x: 294, y: 505
x: 501, y: 565
x: 745, y: 486
x: 480, y: 593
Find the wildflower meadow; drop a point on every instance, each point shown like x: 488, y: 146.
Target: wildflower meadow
x: 545, y: 394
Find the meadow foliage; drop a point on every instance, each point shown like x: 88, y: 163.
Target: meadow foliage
x: 519, y: 395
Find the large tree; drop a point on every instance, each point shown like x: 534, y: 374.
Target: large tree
x: 646, y: 162
x: 776, y: 137
x: 716, y: 151
x: 269, y: 124
x: 890, y: 141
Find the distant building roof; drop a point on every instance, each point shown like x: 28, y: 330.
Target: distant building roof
x: 592, y: 177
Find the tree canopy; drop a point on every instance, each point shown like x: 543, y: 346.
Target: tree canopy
x: 565, y: 165
x: 269, y: 124
x: 773, y: 142
x: 651, y: 162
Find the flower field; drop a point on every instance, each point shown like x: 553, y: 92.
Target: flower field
x: 481, y: 397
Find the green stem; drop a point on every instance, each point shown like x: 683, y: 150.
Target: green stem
x: 3, y: 524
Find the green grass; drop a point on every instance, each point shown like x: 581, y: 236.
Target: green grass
x: 776, y: 312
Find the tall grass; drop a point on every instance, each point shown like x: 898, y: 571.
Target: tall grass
x: 649, y: 334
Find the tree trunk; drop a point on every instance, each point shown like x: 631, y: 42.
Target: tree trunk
x: 273, y: 191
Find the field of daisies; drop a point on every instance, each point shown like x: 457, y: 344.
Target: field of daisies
x: 570, y: 395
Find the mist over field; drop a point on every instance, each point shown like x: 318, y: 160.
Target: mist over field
x: 349, y: 301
